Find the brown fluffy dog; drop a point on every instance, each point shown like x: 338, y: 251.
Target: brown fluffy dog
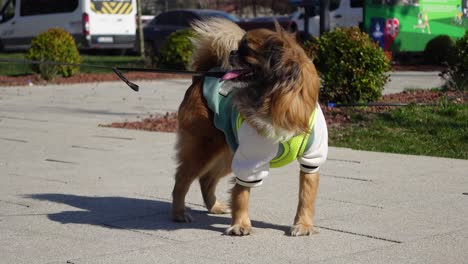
x: 278, y: 92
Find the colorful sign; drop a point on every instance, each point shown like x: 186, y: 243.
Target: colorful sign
x: 411, y: 24
x: 112, y: 6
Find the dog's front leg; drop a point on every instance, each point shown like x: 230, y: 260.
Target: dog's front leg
x: 303, y: 222
x: 240, y: 225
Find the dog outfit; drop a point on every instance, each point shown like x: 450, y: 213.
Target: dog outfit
x: 255, y: 154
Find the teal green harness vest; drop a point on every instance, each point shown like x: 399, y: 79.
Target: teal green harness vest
x: 228, y: 120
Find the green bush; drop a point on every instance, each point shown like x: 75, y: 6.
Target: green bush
x: 176, y: 51
x: 456, y: 73
x: 438, y: 49
x: 352, y: 67
x: 55, y: 45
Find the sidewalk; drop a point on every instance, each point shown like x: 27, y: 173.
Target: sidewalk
x: 74, y: 192
x: 403, y: 80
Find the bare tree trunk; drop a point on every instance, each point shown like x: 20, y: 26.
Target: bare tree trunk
x: 254, y: 8
x: 240, y: 8
x: 140, y: 31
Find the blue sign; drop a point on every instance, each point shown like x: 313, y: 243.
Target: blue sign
x: 377, y: 29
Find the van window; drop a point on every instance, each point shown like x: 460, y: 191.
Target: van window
x: 334, y: 4
x: 8, y: 11
x: 185, y: 19
x: 111, y: 7
x: 169, y: 18
x: 357, y: 3
x: 41, y: 7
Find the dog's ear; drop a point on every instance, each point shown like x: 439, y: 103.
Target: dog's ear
x: 278, y: 27
x: 293, y: 101
x: 291, y: 30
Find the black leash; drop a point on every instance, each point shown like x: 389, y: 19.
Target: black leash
x: 118, y: 70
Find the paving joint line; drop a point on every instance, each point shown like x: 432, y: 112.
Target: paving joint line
x: 359, y: 234
x: 36, y: 130
x: 21, y: 215
x: 137, y: 231
x: 38, y: 178
x: 24, y: 119
x: 113, y: 137
x: 346, y: 178
x: 166, y: 199
x: 343, y: 201
x: 8, y: 202
x: 14, y: 140
x: 342, y: 160
x: 89, y: 148
x: 61, y: 161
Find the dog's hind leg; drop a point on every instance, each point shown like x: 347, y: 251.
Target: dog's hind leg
x: 196, y: 159
x: 209, y: 181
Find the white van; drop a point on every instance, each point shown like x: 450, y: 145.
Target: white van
x: 95, y: 24
x: 343, y: 13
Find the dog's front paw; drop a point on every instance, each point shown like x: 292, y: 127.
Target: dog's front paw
x: 303, y: 230
x: 239, y: 230
x: 182, y: 217
x: 220, y: 208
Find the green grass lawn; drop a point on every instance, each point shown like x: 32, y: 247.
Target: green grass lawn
x: 12, y: 69
x: 440, y: 130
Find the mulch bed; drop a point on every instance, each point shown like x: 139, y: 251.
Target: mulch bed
x: 160, y: 123
x: 34, y: 79
x: 335, y: 116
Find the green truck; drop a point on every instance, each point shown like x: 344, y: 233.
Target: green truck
x: 408, y: 25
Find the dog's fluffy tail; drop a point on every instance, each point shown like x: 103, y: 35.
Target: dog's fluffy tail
x: 214, y: 40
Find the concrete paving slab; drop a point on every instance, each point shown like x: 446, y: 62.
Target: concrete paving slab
x: 446, y: 248
x: 74, y: 192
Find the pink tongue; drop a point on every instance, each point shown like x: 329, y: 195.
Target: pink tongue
x: 231, y: 75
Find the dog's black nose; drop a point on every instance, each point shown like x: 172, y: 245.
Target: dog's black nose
x: 233, y: 53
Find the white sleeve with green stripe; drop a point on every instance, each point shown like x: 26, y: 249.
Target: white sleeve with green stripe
x: 251, y: 163
x: 316, y: 154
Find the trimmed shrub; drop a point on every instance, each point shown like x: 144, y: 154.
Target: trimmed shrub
x: 176, y: 51
x: 352, y: 67
x: 55, y: 45
x: 438, y: 49
x: 456, y: 73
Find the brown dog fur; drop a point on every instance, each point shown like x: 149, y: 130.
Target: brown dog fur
x: 278, y: 104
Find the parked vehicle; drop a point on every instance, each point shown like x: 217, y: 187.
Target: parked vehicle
x: 145, y: 19
x: 95, y: 24
x: 408, y: 26
x: 156, y: 31
x: 343, y: 13
x: 269, y: 23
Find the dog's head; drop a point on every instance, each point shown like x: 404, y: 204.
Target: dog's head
x: 281, y: 85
